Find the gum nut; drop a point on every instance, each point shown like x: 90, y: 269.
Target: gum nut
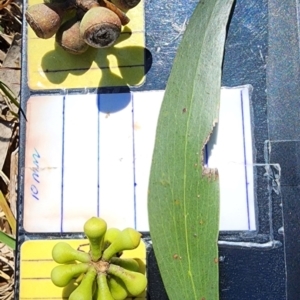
x: 103, y: 291
x: 125, y: 5
x: 45, y: 18
x: 68, y: 37
x: 127, y: 263
x: 134, y: 282
x: 63, y: 253
x: 61, y: 275
x: 100, y: 27
x: 128, y: 239
x: 110, y: 236
x: 117, y: 288
x: 85, y: 289
x: 95, y: 229
x: 85, y: 5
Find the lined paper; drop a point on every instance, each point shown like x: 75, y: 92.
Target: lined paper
x: 43, y: 164
x: 146, y: 111
x: 80, y: 156
x: 97, y: 151
x: 116, y: 172
x: 230, y: 150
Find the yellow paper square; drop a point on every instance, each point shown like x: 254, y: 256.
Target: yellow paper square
x: 50, y: 67
x: 36, y: 264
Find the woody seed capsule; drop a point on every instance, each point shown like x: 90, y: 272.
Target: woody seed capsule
x: 100, y: 27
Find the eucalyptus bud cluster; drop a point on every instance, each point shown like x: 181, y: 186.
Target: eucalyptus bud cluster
x: 100, y: 274
x: 95, y: 23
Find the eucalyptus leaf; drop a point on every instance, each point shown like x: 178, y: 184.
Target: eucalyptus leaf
x: 183, y: 200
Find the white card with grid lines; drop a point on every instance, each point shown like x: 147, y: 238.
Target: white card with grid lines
x: 90, y: 155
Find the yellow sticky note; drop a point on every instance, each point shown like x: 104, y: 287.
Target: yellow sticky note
x: 50, y: 67
x: 36, y: 264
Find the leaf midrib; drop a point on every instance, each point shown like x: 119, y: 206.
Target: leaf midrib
x: 185, y: 157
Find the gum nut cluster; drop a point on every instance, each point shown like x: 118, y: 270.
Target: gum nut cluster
x: 78, y: 24
x: 100, y: 274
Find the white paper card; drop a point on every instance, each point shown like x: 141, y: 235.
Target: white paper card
x: 90, y: 155
x: 230, y: 150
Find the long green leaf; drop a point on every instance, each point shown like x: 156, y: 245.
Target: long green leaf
x: 183, y: 200
x: 9, y: 93
x: 7, y: 240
